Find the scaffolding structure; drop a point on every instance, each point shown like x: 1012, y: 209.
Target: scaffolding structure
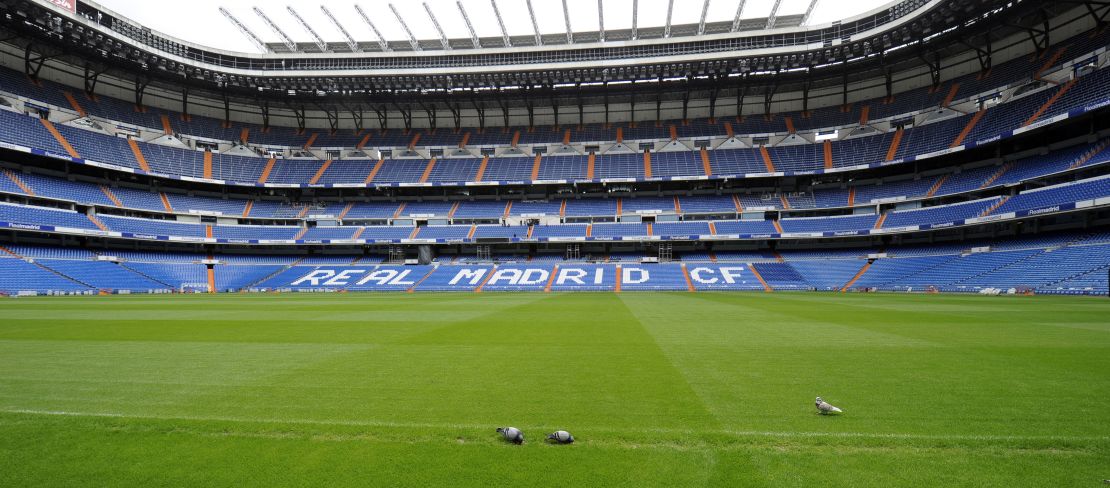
x: 666, y: 252
x: 483, y: 253
x: 574, y: 252
x: 396, y: 254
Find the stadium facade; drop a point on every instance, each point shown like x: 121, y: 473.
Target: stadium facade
x: 923, y: 146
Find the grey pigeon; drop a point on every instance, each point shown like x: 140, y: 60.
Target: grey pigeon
x: 511, y: 434
x: 824, y: 408
x: 561, y: 437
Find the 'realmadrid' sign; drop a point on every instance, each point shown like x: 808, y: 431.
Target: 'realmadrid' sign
x: 70, y: 5
x: 565, y: 276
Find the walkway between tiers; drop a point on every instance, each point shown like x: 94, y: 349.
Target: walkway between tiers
x: 894, y: 143
x: 755, y: 272
x: 847, y: 286
x: 111, y: 195
x: 1055, y: 96
x: 770, y: 165
x: 139, y: 158
x: 967, y: 129
x: 19, y: 182
x: 60, y: 138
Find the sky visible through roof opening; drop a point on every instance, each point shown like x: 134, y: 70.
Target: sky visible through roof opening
x: 201, y: 22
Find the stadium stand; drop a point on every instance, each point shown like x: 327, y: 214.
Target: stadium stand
x: 752, y: 201
x: 1062, y: 264
x: 1012, y: 114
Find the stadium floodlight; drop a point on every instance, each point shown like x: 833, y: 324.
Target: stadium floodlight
x: 635, y: 10
x: 351, y: 42
x: 704, y: 11
x: 442, y: 37
x: 501, y: 23
x: 670, y: 10
x: 600, y: 21
x: 246, y: 31
x: 809, y: 11
x: 412, y: 39
x: 736, y: 19
x: 566, y: 19
x: 381, y: 39
x: 469, y: 26
x: 308, y: 28
x: 535, y: 25
x: 277, y: 30
x: 774, y: 13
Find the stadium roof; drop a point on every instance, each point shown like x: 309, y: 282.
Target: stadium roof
x: 345, y: 26
x: 879, y: 44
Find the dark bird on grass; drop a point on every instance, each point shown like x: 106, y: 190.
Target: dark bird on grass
x: 824, y: 408
x: 560, y: 437
x: 511, y: 434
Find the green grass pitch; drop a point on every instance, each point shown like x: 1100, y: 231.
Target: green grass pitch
x: 660, y: 389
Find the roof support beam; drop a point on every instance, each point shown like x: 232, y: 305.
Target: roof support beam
x: 383, y: 116
x: 667, y: 28
x: 741, y: 93
x: 535, y: 25
x: 412, y: 39
x: 185, y: 106
x: 581, y: 109
x: 770, y: 95
x: 501, y: 23
x: 809, y: 11
x: 430, y: 110
x: 983, y: 54
x: 566, y: 19
x: 704, y: 11
x: 357, y: 117
x: 774, y: 13
x: 736, y: 19
x: 713, y: 100
x: 529, y: 104
x: 933, y: 64
x: 455, y: 115
x: 331, y: 112
x: 469, y: 26
x: 600, y: 21
x: 481, y: 110
x: 504, y: 109
x: 250, y: 35
x: 442, y: 37
x: 1100, y: 19
x: 292, y: 46
x: 632, y: 107
x: 381, y: 40
x: 406, y: 114
x: 805, y: 94
x: 555, y: 110
x: 141, y: 83
x: 308, y: 28
x: 351, y: 42
x: 635, y: 10
x: 686, y: 101
x: 92, y: 75
x: 658, y: 104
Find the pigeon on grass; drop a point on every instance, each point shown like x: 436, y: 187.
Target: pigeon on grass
x: 824, y: 408
x: 511, y: 434
x: 560, y: 437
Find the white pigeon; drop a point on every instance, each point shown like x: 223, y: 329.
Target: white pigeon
x: 511, y: 434
x: 824, y: 408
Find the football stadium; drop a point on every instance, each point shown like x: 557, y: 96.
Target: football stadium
x: 524, y: 242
